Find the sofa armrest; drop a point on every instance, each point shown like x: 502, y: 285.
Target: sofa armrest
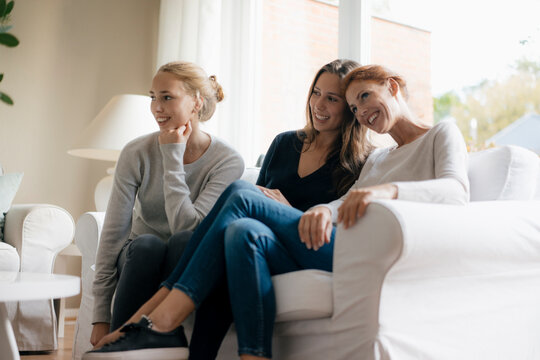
x: 87, y: 233
x: 38, y: 232
x: 477, y: 239
x: 410, y: 276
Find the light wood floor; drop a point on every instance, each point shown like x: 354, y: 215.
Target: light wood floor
x: 65, y: 345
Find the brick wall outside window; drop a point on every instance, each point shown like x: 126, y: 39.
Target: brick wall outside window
x: 406, y: 50
x: 300, y: 36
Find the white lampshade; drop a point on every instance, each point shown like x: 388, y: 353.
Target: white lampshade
x: 124, y: 118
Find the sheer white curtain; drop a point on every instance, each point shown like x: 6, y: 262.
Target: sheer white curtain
x: 355, y: 43
x: 223, y: 37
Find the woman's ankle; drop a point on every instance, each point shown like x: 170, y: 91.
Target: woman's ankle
x: 171, y: 312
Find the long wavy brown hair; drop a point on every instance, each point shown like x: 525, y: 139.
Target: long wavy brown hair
x: 352, y: 146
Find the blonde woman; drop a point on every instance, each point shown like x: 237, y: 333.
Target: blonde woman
x: 314, y: 165
x: 165, y: 183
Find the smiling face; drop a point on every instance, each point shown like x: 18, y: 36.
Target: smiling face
x: 373, y: 104
x: 171, y: 105
x: 326, y: 104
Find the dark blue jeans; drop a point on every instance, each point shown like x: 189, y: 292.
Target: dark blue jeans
x: 251, y: 237
x: 142, y: 265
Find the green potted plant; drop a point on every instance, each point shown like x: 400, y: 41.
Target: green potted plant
x: 6, y: 38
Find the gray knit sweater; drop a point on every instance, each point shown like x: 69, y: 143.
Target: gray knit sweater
x: 154, y: 192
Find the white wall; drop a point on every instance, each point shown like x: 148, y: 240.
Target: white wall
x: 74, y: 55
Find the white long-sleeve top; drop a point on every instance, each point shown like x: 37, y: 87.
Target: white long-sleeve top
x: 154, y: 192
x: 432, y: 168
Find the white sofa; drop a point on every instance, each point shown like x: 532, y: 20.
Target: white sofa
x: 34, y: 234
x: 410, y: 280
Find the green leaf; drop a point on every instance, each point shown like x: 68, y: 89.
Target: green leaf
x: 2, y: 8
x: 1, y: 77
x: 8, y: 40
x: 5, y: 98
x: 9, y: 7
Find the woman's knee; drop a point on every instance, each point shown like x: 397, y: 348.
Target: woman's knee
x: 180, y: 239
x: 177, y: 244
x: 239, y: 185
x: 147, y: 247
x: 242, y: 199
x: 241, y: 233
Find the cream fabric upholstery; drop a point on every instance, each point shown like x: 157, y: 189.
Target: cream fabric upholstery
x: 416, y: 280
x: 87, y: 232
x: 37, y: 233
x: 9, y: 258
x: 312, y: 298
x: 513, y: 174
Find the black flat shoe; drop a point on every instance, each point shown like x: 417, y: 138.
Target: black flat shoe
x: 140, y: 342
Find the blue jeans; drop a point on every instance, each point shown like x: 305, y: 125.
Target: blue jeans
x: 253, y: 237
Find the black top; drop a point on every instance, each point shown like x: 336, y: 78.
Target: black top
x: 280, y: 171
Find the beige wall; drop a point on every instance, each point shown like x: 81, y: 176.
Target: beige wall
x: 74, y: 55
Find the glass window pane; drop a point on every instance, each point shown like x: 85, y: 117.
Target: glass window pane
x: 298, y: 38
x: 485, y: 64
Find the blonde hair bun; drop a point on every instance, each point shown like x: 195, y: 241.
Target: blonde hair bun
x: 217, y: 87
x: 197, y: 83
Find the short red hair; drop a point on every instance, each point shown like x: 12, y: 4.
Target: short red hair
x: 376, y: 73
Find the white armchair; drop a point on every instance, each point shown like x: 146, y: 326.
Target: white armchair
x: 413, y: 280
x: 34, y: 234
x: 87, y: 232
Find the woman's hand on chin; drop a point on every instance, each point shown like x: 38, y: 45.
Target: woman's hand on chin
x: 177, y: 135
x: 357, y: 201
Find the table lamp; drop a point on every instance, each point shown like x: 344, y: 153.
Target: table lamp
x: 124, y: 118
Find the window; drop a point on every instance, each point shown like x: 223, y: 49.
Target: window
x: 485, y: 67
x: 298, y: 38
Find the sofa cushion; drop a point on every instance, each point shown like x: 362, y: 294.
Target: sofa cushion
x: 302, y: 295
x: 504, y: 173
x: 9, y: 259
x: 9, y: 184
x: 251, y: 174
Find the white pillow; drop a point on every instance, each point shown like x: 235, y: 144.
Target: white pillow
x: 504, y: 173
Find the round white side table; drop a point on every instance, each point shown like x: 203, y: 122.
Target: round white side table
x: 19, y: 286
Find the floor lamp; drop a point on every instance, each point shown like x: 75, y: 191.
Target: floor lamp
x: 124, y: 118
